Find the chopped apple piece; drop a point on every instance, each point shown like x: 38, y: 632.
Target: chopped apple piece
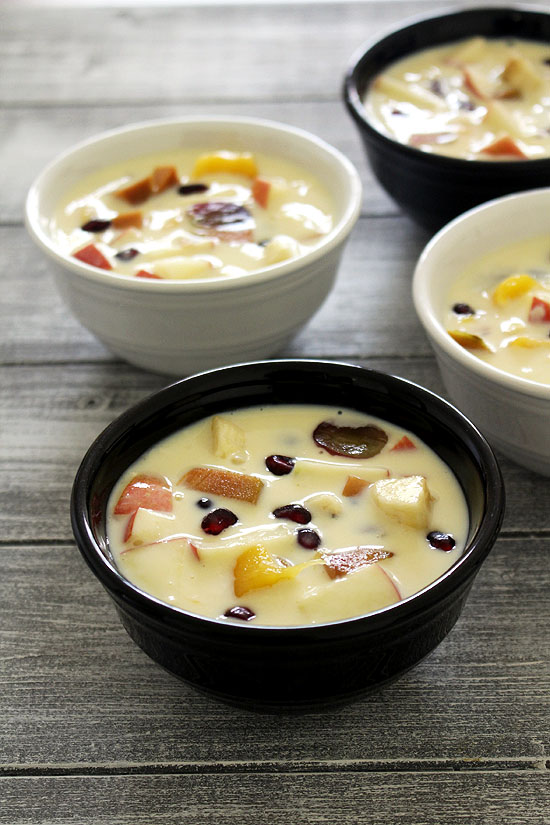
x: 137, y: 192
x: 513, y: 287
x: 406, y: 499
x: 471, y: 50
x: 354, y: 485
x: 498, y: 118
x: 539, y: 312
x: 400, y: 91
x: 308, y: 472
x: 144, y: 273
x: 404, y: 443
x: 256, y: 568
x: 467, y: 339
x: 370, y: 588
x: 504, y: 146
x: 521, y: 73
x: 224, y: 483
x: 341, y: 562
x: 126, y: 219
x: 91, y: 255
x: 230, y: 162
x: 476, y: 82
x: 148, y: 526
x: 148, y: 491
x: 228, y: 439
x: 260, y: 192
x: 281, y: 248
x: 183, y: 267
x: 163, y: 177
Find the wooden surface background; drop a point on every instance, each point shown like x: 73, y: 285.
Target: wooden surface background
x: 91, y: 731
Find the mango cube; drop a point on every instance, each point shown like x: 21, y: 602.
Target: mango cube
x: 528, y: 343
x: 513, y: 287
x: 229, y: 162
x: 256, y: 568
x: 467, y: 339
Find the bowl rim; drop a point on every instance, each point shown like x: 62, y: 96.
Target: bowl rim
x: 475, y: 551
x: 355, y: 106
x: 87, y: 272
x: 422, y: 300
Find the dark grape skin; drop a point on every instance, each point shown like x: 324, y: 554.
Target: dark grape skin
x: 204, y: 503
x: 240, y: 612
x: 127, y: 254
x: 293, y: 512
x: 192, y: 188
x: 441, y: 541
x: 280, y: 465
x: 96, y: 225
x: 463, y: 309
x: 308, y: 539
x: 217, y: 520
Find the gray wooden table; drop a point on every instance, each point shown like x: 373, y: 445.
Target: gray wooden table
x: 91, y: 731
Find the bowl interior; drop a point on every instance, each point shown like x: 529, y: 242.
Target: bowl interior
x: 438, y: 423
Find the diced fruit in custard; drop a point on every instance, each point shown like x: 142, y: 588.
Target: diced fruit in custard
x: 144, y: 273
x: 227, y: 437
x: 184, y: 267
x: 96, y: 225
x: 527, y: 342
x: 221, y: 218
x: 240, y: 612
x: 293, y: 512
x: 325, y: 504
x: 91, y: 255
x: 148, y: 491
x: 370, y: 588
x: 513, y: 287
x: 353, y: 442
x: 218, y: 520
x: 192, y: 188
x: 467, y: 339
x: 477, y: 82
x: 340, y: 562
x: 312, y: 474
x: 521, y: 73
x: 127, y: 254
x: 163, y: 177
x: 401, y: 91
x: 230, y: 162
x: 404, y: 443
x: 463, y: 309
x: 539, y: 312
x: 354, y: 485
x: 470, y: 51
x: 224, y: 483
x: 441, y: 541
x: 146, y: 526
x: 260, y: 192
x: 504, y: 146
x: 406, y: 499
x: 280, y: 465
x: 256, y: 568
x: 126, y: 219
x: 281, y: 248
x: 308, y: 539
x: 136, y: 193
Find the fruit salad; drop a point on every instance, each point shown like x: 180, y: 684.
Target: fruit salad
x: 286, y: 515
x: 499, y: 309
x: 479, y: 99
x: 191, y: 215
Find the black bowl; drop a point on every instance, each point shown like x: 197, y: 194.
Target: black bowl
x: 290, y: 668
x: 432, y: 189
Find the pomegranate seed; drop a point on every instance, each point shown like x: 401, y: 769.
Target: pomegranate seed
x: 280, y: 465
x: 218, y: 520
x: 309, y: 539
x: 127, y: 254
x: 293, y: 512
x: 192, y: 188
x: 239, y: 612
x: 463, y: 309
x: 204, y: 503
x: 96, y: 225
x: 441, y: 541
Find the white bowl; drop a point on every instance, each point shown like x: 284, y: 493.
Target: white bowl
x: 176, y: 326
x: 513, y: 412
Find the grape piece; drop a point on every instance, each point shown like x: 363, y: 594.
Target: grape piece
x: 353, y: 442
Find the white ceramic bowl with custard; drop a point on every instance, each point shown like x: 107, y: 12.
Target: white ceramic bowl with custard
x: 178, y: 325
x: 512, y: 410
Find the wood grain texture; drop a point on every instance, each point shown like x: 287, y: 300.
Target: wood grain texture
x: 92, y: 730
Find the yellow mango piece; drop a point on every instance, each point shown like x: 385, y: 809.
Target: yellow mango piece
x: 513, y: 287
x: 527, y: 342
x: 256, y: 568
x: 467, y: 339
x: 230, y: 162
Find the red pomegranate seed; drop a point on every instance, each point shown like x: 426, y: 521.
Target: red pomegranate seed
x: 218, y: 520
x: 239, y: 612
x: 293, y: 512
x: 309, y: 539
x: 441, y: 541
x: 280, y: 465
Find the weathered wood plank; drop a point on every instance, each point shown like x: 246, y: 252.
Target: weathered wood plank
x: 75, y: 690
x: 59, y: 128
x: 371, y: 300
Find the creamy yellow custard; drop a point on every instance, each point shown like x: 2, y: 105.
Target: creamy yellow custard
x: 499, y: 309
x: 252, y: 517
x: 478, y: 99
x: 187, y: 215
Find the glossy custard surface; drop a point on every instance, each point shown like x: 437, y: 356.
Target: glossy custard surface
x: 499, y: 309
x: 252, y: 517
x: 478, y: 99
x: 187, y: 215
